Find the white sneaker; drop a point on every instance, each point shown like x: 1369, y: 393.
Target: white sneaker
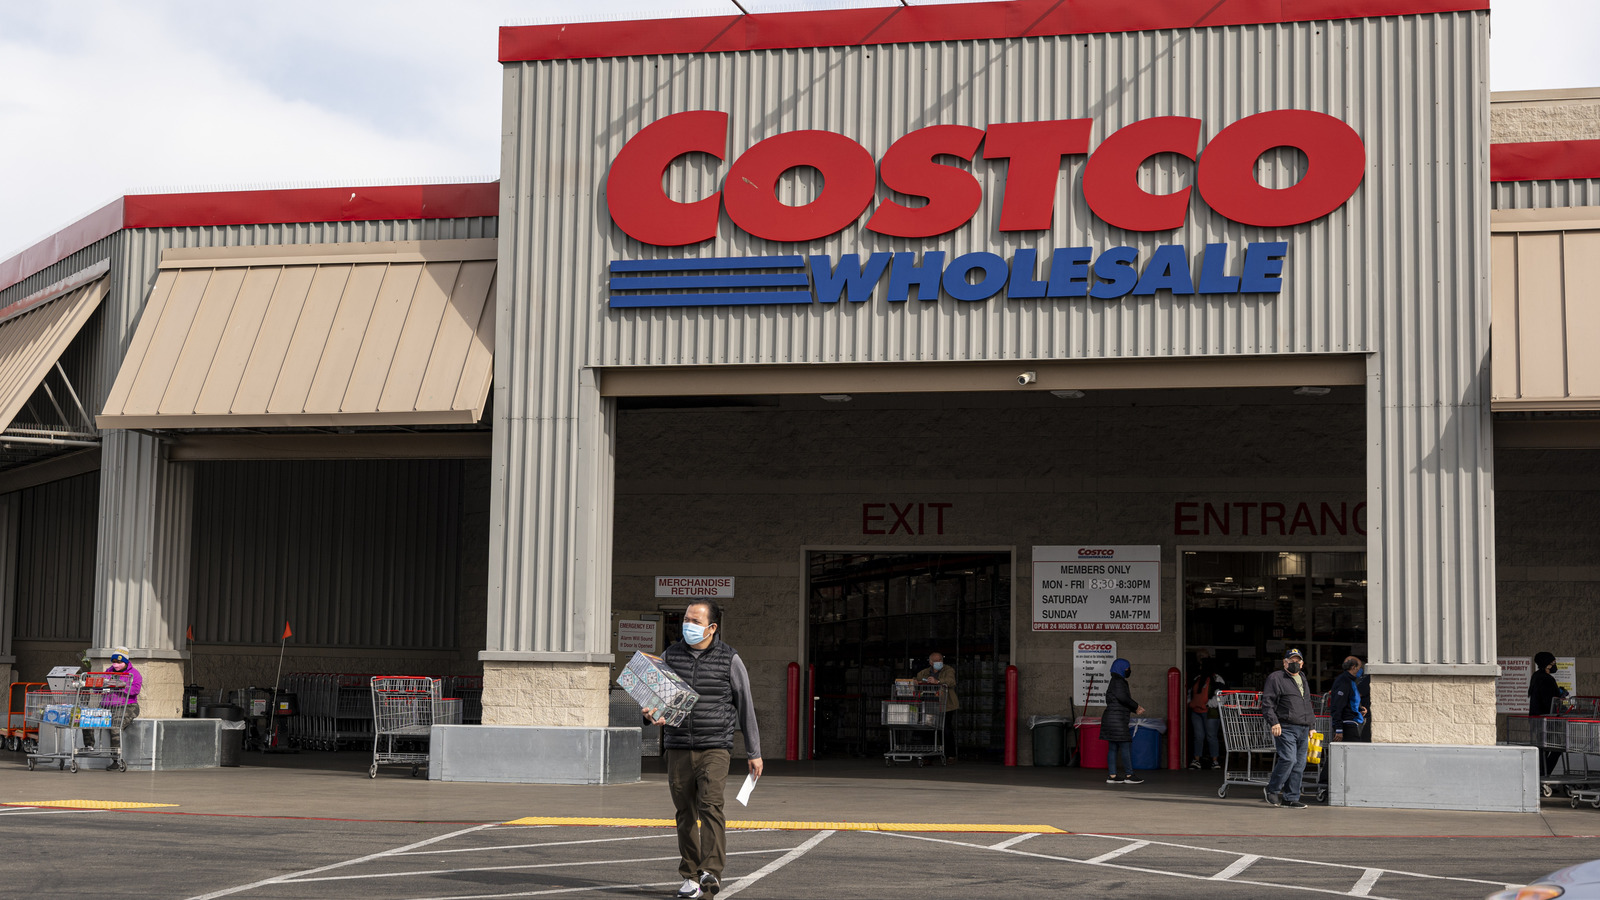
x: 689, y: 891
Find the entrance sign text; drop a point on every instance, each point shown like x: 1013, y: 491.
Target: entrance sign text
x: 1097, y: 588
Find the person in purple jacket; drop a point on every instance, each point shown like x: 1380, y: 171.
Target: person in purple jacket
x: 122, y: 693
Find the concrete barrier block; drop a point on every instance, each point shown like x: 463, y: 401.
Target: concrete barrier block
x: 533, y: 754
x: 166, y: 745
x: 1495, y: 778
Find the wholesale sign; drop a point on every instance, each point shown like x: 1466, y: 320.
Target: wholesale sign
x: 1097, y: 588
x: 937, y: 164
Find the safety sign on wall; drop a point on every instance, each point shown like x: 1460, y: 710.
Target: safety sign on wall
x: 1097, y: 588
x: 1091, y: 671
x: 1511, y: 688
x: 636, y: 634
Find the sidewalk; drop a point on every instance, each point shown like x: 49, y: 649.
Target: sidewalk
x: 335, y: 786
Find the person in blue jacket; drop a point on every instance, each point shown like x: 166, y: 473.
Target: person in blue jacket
x: 1347, y: 704
x: 1116, y: 727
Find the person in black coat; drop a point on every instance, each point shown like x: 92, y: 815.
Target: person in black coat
x: 1543, y: 692
x: 1115, y: 727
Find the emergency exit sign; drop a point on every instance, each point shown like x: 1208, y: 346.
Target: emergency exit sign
x: 1093, y: 587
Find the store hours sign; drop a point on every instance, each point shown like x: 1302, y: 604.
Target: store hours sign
x: 1090, y: 587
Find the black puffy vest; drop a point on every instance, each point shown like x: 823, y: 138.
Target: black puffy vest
x: 711, y: 723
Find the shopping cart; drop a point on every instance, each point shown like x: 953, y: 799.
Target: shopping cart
x: 1245, y: 737
x: 62, y: 717
x: 916, y: 724
x: 1574, y: 740
x: 405, y: 709
x: 19, y: 735
x: 1583, y: 743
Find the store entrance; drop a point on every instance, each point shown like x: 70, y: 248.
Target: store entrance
x: 875, y: 617
x: 1245, y: 608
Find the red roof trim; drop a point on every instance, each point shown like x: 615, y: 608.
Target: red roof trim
x: 1544, y: 160
x: 914, y: 24
x: 358, y: 204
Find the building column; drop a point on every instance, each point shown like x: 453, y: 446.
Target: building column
x: 547, y: 657
x: 1431, y: 582
x: 141, y: 596
x: 10, y: 506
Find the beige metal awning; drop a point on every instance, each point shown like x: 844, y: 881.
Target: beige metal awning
x: 33, y: 339
x: 1545, y: 295
x: 398, y: 333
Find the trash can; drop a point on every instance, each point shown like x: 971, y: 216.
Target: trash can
x: 232, y: 743
x: 1049, y: 739
x: 1147, y: 734
x: 1091, y: 750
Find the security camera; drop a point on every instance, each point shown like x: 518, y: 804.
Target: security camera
x: 1027, y: 378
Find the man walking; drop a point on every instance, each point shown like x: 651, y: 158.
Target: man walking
x: 1286, y: 705
x: 698, y: 749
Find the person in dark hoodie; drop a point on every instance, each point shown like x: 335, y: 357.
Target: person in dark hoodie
x: 1543, y: 692
x: 1115, y: 725
x: 1286, y: 705
x: 1347, y: 704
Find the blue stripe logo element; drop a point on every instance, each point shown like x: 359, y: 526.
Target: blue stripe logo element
x: 713, y: 281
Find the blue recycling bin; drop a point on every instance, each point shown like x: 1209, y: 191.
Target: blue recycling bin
x: 1147, y: 742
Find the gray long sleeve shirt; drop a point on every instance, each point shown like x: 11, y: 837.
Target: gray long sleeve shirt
x: 739, y: 678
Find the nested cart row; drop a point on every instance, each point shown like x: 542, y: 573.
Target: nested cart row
x: 336, y: 710
x: 1570, y: 751
x: 1249, y: 750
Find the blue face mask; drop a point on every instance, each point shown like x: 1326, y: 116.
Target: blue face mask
x: 1358, y: 672
x: 693, y: 633
x: 937, y: 666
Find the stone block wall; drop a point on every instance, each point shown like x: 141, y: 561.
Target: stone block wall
x: 546, y: 693
x: 1432, y: 709
x: 1567, y: 115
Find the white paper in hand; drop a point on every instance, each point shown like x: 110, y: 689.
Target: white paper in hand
x: 746, y: 790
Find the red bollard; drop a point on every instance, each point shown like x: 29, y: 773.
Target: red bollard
x: 791, y: 744
x: 811, y: 711
x: 1174, y: 718
x: 1011, y: 715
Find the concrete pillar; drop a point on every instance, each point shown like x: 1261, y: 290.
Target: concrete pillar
x: 547, y: 651
x: 142, y: 570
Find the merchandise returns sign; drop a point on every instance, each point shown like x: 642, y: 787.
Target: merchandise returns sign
x: 1093, y: 587
x: 714, y: 587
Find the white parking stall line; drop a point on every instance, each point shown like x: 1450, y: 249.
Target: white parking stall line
x: 1365, y: 882
x: 1122, y: 867
x: 517, y: 867
x: 1498, y: 885
x: 639, y: 837
x: 544, y: 892
x: 43, y: 811
x: 1107, y: 857
x: 278, y: 879
x: 1012, y: 842
x: 776, y: 864
x: 1237, y: 866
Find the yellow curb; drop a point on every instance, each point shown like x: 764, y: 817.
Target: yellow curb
x: 87, y: 804
x: 797, y: 826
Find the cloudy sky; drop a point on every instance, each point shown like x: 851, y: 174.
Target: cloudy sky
x: 101, y: 98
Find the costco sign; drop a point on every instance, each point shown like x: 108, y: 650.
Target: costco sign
x: 921, y: 164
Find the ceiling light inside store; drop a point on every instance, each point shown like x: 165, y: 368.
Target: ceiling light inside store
x: 1068, y: 395
x: 1312, y: 391
x: 836, y: 398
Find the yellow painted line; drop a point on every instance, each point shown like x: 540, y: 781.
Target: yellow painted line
x: 87, y: 804
x: 796, y: 826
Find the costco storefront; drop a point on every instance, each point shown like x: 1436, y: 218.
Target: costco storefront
x: 870, y: 311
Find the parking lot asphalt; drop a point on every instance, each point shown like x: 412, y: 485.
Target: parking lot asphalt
x: 313, y: 825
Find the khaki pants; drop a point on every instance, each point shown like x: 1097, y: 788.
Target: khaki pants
x: 697, y: 779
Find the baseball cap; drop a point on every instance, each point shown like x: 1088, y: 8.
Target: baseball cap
x: 1292, y: 652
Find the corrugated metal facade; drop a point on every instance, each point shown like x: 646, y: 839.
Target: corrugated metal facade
x: 351, y: 555
x: 1545, y: 319
x: 1400, y: 270
x: 143, y: 573
x: 55, y: 546
x: 1546, y: 194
